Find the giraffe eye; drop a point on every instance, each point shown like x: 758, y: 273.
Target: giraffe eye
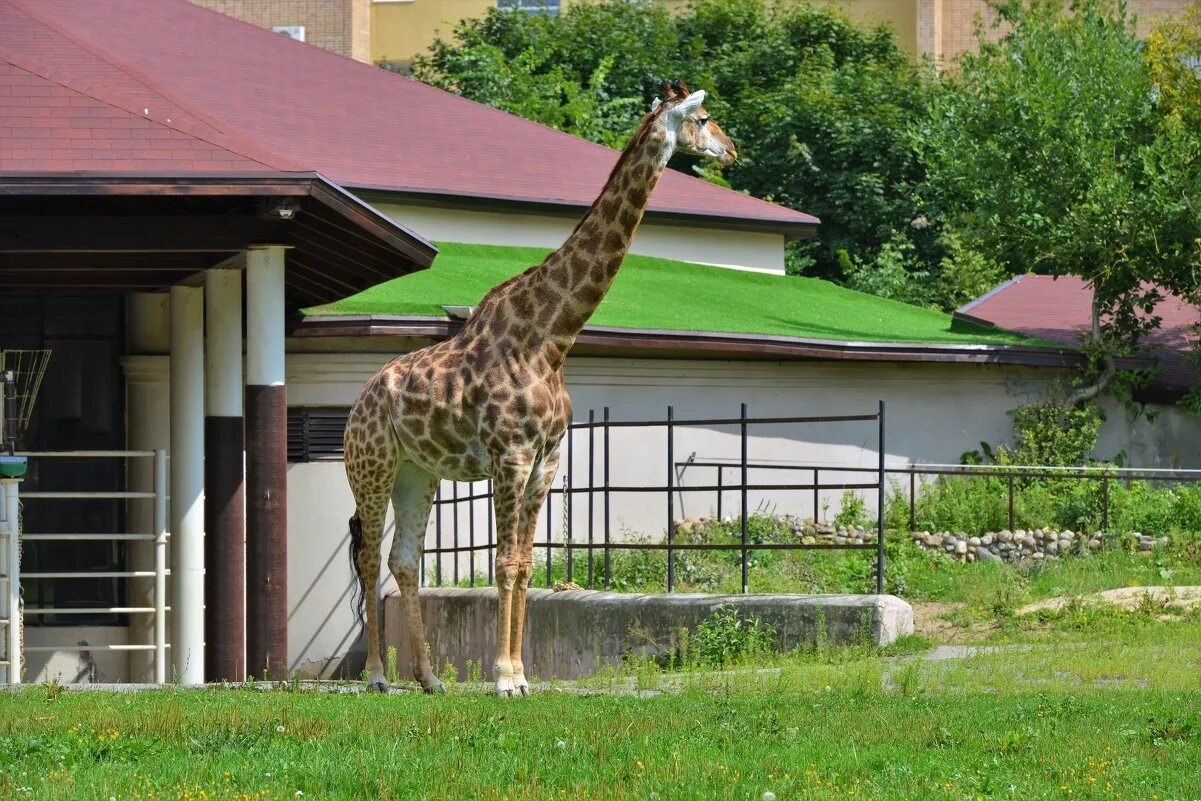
x: 701, y: 121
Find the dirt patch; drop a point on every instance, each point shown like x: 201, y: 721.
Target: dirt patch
x: 1169, y: 599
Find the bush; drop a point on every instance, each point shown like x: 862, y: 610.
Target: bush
x: 727, y: 638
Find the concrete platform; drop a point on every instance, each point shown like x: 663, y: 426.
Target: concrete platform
x: 572, y: 633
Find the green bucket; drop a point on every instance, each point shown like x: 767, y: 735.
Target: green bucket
x: 12, y: 466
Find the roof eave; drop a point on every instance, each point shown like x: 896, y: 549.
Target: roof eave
x: 705, y: 344
x: 790, y: 229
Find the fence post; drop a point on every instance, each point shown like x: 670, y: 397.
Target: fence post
x: 549, y: 534
x: 591, y: 488
x: 608, y: 573
x: 1010, y: 482
x: 880, y: 511
x: 568, y: 512
x: 160, y: 566
x: 816, y: 500
x: 491, y: 533
x: 720, y: 472
x: 744, y: 501
x: 454, y: 525
x: 912, y: 498
x: 671, y: 503
x: 1105, y: 503
x: 12, y: 561
x: 471, y: 534
x: 438, y: 536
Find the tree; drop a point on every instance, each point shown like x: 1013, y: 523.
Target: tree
x: 819, y: 106
x: 1050, y: 152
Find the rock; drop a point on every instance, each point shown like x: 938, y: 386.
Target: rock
x: 684, y: 526
x: 985, y: 555
x: 1094, y: 544
x: 1037, y: 555
x: 1067, y: 535
x: 1051, y: 547
x: 971, y: 557
x: 986, y: 539
x: 1030, y: 542
x: 840, y: 540
x: 1005, y: 536
x: 974, y: 541
x: 934, y: 540
x: 808, y: 541
x: 961, y: 547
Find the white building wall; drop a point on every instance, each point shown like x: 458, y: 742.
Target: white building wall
x: 744, y: 250
x: 934, y: 413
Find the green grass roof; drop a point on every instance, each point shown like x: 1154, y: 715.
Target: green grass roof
x: 652, y: 293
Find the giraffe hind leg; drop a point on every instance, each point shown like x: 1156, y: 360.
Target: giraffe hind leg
x: 412, y: 497
x: 370, y: 473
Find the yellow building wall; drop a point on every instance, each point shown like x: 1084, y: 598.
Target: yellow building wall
x: 941, y: 28
x: 337, y: 25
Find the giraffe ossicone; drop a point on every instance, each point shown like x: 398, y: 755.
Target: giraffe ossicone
x: 490, y: 402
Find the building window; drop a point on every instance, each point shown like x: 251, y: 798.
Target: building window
x: 315, y: 433
x: 291, y: 31
x: 530, y: 6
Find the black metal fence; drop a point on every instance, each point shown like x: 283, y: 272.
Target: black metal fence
x: 593, y: 485
x: 1105, y: 475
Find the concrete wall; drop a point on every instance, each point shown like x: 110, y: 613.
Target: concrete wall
x: 76, y: 666
x: 724, y: 248
x: 572, y: 634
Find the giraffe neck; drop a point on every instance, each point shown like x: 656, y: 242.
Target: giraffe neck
x: 566, y: 288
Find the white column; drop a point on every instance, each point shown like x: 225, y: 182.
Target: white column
x: 265, y: 316
x: 266, y: 465
x: 187, y: 484
x: 223, y: 343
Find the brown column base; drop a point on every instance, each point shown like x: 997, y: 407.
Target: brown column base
x: 267, y: 531
x: 224, y: 551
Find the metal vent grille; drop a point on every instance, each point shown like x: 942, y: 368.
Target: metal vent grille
x: 315, y: 433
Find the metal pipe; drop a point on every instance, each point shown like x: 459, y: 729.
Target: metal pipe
x: 454, y: 526
x: 10, y: 417
x: 438, y: 536
x: 160, y: 566
x: 12, y: 560
x: 471, y: 534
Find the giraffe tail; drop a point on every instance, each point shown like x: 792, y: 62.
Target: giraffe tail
x: 356, y: 546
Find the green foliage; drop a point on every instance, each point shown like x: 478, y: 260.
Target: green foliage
x: 852, y: 510
x: 728, y: 638
x: 819, y: 106
x: 1047, y: 152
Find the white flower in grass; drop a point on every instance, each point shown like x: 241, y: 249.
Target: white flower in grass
x: 300, y: 793
x: 560, y: 744
x: 279, y: 729
x: 769, y: 796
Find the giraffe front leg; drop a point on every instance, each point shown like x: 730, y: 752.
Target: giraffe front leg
x: 532, y: 502
x: 509, y: 489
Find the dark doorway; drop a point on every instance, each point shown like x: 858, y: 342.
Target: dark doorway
x: 81, y: 406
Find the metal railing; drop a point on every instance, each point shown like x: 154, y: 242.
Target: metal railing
x: 158, y: 536
x: 1105, y: 474
x: 448, y: 504
x: 10, y: 560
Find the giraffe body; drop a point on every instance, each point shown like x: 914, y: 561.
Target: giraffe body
x: 490, y: 402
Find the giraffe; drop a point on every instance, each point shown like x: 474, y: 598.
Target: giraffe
x: 490, y: 401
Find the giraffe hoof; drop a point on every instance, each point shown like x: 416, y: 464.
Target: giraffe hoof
x: 377, y: 686
x: 521, y: 687
x: 436, y: 687
x: 505, y: 688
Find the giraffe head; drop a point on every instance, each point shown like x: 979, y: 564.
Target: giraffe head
x: 689, y: 126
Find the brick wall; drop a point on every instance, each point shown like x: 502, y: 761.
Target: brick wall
x: 342, y: 26
x: 957, y: 18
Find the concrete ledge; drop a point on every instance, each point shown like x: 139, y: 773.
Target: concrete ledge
x: 570, y: 634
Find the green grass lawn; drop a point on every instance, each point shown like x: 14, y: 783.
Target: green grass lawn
x: 1060, y: 723
x: 652, y: 293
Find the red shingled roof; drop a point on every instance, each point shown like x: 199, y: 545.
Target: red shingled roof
x: 1060, y: 310
x: 166, y: 86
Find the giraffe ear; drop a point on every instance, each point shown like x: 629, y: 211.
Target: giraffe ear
x: 655, y: 105
x: 689, y: 104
